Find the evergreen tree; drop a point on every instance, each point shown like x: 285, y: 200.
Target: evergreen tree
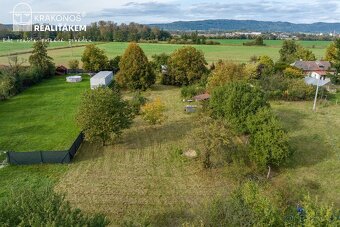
x: 40, y: 61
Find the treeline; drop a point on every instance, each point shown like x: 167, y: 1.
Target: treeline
x: 192, y: 38
x: 98, y: 31
x: 15, y: 77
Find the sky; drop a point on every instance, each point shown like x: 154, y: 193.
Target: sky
x: 160, y: 11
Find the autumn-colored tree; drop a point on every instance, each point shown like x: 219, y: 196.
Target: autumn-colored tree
x: 73, y: 64
x: 186, y: 66
x: 40, y: 61
x: 153, y: 112
x: 135, y: 72
x: 331, y: 52
x: 225, y: 72
x: 265, y: 65
x: 94, y: 59
x: 103, y: 115
x: 216, y: 140
x: 293, y: 72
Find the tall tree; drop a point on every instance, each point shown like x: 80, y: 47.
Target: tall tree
x: 235, y: 102
x: 291, y: 51
x: 103, y: 115
x: 94, y: 59
x: 268, y: 140
x: 136, y: 72
x: 40, y: 60
x: 333, y: 55
x: 225, y: 72
x: 186, y: 66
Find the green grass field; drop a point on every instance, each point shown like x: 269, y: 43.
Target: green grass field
x: 276, y: 43
x: 228, y: 51
x: 42, y: 117
x: 18, y: 47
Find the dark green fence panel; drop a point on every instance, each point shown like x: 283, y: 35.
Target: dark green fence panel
x: 38, y: 157
x: 55, y: 157
x: 24, y: 158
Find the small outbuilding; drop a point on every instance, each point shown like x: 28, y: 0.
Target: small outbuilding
x: 60, y: 70
x: 101, y: 79
x: 201, y: 97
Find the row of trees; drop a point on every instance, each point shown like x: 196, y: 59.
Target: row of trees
x: 98, y: 31
x: 15, y: 77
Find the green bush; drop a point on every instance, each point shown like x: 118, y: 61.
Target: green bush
x: 137, y: 102
x: 103, y: 115
x: 235, y: 102
x: 191, y: 91
x: 43, y: 207
x: 246, y: 206
x: 268, y: 140
x: 298, y: 90
x: 73, y: 64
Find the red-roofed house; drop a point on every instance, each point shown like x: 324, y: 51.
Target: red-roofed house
x: 320, y: 67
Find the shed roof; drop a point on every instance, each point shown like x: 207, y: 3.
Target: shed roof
x: 102, y: 74
x: 202, y: 97
x: 315, y: 81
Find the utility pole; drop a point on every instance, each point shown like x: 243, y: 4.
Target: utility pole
x: 316, y: 93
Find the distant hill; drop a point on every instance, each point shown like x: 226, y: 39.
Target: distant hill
x: 248, y: 25
x: 5, y: 26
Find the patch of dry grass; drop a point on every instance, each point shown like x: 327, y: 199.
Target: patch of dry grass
x: 145, y: 176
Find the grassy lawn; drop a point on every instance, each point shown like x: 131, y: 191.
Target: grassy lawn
x: 144, y: 175
x: 18, y: 47
x: 276, y: 43
x: 14, y: 178
x: 42, y: 117
x: 233, y: 52
x: 316, y: 142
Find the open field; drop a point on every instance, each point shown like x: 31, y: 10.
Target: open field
x: 144, y: 175
x: 315, y: 140
x: 42, y: 117
x: 18, y: 47
x: 276, y: 43
x: 232, y: 52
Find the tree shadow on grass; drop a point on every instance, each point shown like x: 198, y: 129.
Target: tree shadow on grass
x: 308, y: 150
x: 291, y: 119
x: 309, y: 147
x: 145, y: 136
x: 89, y: 151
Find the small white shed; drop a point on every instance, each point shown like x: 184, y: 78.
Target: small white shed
x: 103, y: 78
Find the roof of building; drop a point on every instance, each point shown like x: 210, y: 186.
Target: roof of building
x: 315, y: 81
x: 202, y: 97
x: 102, y: 74
x: 312, y: 65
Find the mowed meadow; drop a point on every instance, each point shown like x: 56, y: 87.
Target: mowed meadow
x: 143, y: 177
x: 228, y: 50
